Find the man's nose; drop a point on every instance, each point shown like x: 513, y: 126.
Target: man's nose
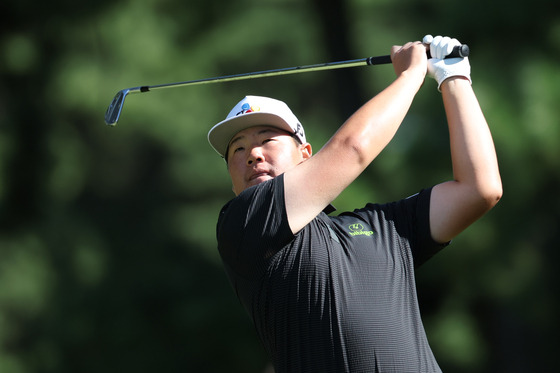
x: 255, y: 155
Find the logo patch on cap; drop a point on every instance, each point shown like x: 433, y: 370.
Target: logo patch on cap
x: 246, y: 108
x: 299, y: 132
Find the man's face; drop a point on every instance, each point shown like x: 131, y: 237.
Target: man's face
x: 261, y: 153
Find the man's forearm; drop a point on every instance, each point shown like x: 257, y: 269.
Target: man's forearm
x: 472, y: 148
x: 373, y: 126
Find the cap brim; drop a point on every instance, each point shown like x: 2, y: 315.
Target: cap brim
x: 222, y: 133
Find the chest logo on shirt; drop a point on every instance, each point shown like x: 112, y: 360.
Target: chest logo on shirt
x: 357, y: 229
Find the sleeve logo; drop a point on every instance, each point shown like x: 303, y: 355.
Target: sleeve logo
x: 357, y: 229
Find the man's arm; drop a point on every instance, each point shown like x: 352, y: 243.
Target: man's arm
x: 315, y: 183
x: 477, y: 186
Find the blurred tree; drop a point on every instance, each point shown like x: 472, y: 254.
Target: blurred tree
x: 107, y: 236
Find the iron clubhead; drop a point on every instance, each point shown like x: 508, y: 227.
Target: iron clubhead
x: 115, y: 108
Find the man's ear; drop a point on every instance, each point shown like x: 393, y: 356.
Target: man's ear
x: 306, y: 151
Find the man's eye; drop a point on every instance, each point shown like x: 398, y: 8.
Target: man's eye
x: 240, y: 148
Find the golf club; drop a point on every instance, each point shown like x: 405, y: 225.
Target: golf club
x: 114, y: 110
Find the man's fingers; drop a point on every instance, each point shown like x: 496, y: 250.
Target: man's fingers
x: 395, y: 49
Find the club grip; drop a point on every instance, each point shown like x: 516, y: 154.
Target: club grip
x: 458, y: 51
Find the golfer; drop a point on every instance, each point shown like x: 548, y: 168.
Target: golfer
x: 337, y: 293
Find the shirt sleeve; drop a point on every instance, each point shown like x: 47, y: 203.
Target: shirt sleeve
x: 424, y: 246
x: 252, y: 228
x: 409, y: 218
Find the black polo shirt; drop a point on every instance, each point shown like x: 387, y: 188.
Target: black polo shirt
x: 339, y: 296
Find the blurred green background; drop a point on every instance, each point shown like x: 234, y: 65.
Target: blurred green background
x: 108, y: 257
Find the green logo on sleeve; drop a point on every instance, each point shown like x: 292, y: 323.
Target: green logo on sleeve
x: 357, y: 229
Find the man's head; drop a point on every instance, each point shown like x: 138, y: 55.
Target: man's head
x: 260, y: 139
x: 254, y: 111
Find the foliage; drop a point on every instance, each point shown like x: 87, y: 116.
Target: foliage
x: 107, y: 235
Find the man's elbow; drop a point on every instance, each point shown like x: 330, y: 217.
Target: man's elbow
x: 491, y: 194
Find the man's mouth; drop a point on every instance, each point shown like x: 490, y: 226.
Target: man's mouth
x: 258, y: 175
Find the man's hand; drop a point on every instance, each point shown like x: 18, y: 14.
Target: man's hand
x: 410, y: 58
x: 441, y: 69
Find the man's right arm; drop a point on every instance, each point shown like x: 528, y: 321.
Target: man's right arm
x: 315, y: 183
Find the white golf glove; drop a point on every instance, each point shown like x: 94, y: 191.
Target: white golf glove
x: 441, y: 69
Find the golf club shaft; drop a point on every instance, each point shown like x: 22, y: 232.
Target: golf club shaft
x: 459, y: 51
x: 113, y: 112
x: 277, y: 72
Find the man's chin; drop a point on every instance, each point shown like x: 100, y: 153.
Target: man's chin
x: 253, y: 182
x: 259, y: 179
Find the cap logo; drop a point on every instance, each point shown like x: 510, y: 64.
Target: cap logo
x: 246, y: 108
x: 299, y: 131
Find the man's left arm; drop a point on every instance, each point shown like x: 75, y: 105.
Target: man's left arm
x: 476, y: 185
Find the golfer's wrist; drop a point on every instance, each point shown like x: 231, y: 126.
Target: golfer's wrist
x: 414, y: 77
x: 453, y: 83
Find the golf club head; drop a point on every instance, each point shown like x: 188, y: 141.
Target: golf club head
x: 114, y: 110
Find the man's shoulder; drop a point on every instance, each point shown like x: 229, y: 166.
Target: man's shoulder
x: 259, y: 208
x: 261, y: 194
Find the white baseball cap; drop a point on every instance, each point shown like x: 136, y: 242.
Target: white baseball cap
x: 250, y: 112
